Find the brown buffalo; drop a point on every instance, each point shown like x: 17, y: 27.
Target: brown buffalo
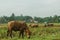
x: 49, y: 24
x: 33, y: 25
x: 18, y: 26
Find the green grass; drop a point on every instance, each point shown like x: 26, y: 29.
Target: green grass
x: 40, y: 33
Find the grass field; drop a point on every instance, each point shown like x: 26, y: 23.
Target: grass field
x: 39, y: 33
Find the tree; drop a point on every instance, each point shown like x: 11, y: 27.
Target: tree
x: 39, y: 19
x: 27, y: 18
x: 12, y: 17
x: 55, y: 18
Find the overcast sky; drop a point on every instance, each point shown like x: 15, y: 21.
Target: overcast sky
x: 39, y: 8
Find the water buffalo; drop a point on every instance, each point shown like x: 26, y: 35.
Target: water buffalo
x: 18, y: 26
x: 33, y: 25
x: 48, y: 24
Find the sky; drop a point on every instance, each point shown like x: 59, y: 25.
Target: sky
x: 39, y: 8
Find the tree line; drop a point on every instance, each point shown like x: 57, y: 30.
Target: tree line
x: 50, y: 19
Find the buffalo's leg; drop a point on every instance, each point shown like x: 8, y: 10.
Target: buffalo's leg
x: 11, y: 34
x: 21, y: 34
x: 7, y: 33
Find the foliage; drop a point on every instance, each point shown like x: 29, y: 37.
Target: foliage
x: 54, y: 19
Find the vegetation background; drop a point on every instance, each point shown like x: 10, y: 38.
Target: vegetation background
x: 51, y: 19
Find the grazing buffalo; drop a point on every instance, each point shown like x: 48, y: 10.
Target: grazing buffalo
x: 33, y: 25
x: 18, y: 26
x: 48, y: 24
